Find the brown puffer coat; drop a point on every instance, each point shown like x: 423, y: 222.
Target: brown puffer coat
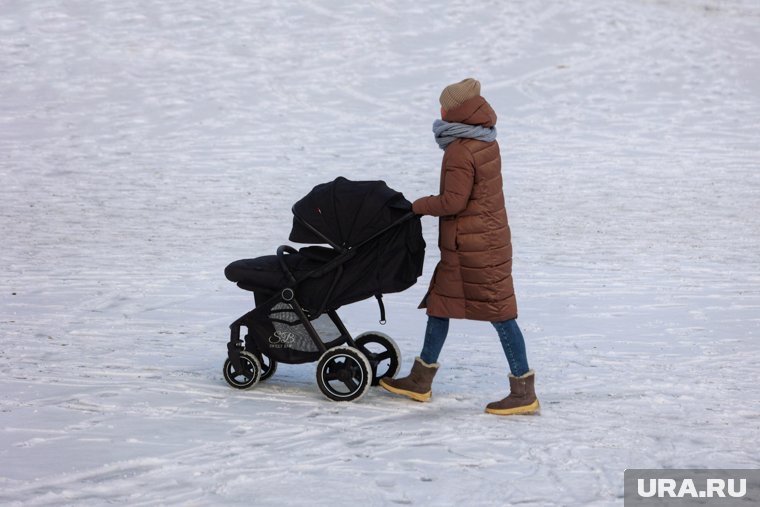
x: 473, y: 279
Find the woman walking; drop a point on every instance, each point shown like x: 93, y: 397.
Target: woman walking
x: 473, y: 279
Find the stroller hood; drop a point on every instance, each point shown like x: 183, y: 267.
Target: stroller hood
x: 346, y: 213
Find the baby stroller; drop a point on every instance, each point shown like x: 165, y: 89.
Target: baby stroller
x: 375, y: 247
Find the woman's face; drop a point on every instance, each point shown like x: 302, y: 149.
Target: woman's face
x: 443, y: 112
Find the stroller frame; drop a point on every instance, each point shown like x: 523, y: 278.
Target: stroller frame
x: 358, y: 361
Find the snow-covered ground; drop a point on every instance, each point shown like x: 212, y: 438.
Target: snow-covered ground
x: 144, y: 145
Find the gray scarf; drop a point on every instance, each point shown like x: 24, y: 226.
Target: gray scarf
x: 446, y: 133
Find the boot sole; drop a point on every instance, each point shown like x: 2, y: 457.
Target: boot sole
x: 533, y: 408
x: 409, y: 394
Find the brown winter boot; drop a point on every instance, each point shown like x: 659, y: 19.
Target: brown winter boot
x: 522, y: 397
x: 417, y: 385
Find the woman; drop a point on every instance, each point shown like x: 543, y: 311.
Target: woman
x: 473, y: 279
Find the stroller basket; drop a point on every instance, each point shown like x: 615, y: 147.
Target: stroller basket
x: 283, y: 331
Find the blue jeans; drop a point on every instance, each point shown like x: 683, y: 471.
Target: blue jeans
x: 509, y: 333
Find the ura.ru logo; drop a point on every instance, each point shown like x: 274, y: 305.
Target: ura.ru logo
x: 714, y: 488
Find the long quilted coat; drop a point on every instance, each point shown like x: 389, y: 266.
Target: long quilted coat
x: 473, y: 279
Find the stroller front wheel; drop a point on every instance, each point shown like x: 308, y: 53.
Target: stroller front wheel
x: 248, y: 376
x: 343, y: 374
x: 268, y: 367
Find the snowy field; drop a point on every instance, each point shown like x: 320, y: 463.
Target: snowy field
x: 145, y: 145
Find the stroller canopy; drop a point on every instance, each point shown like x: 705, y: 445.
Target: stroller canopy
x: 346, y: 213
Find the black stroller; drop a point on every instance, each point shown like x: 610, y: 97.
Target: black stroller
x: 375, y: 247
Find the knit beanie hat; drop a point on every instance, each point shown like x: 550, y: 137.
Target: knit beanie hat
x: 455, y: 94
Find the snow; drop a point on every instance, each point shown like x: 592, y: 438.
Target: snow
x: 145, y: 145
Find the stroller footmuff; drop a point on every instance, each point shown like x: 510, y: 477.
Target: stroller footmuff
x: 375, y: 247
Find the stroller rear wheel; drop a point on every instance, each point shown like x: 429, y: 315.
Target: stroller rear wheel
x: 248, y: 376
x: 382, y: 352
x: 343, y: 374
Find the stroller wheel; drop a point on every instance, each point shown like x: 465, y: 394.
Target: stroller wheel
x: 343, y: 374
x: 382, y: 352
x: 248, y: 376
x: 268, y: 367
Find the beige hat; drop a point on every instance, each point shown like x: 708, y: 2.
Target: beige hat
x: 455, y: 94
